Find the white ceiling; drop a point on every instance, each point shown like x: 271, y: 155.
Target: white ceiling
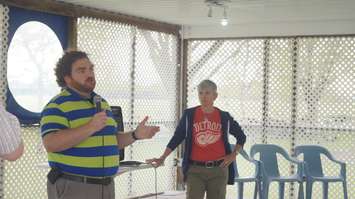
x: 193, y: 13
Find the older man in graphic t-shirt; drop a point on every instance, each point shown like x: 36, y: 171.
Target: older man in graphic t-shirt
x: 207, y: 156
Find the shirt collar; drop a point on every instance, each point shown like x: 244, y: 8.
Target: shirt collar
x: 77, y: 95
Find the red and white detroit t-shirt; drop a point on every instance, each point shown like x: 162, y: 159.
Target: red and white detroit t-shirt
x: 207, y: 141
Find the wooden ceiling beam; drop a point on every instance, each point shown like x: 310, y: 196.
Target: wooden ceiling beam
x: 71, y: 10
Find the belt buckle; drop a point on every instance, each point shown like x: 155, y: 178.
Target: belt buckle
x: 209, y: 164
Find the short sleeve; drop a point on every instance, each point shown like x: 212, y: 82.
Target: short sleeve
x: 10, y: 132
x: 53, y: 119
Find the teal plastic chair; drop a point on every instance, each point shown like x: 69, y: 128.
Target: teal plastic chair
x: 270, y: 170
x: 240, y: 180
x: 313, y: 169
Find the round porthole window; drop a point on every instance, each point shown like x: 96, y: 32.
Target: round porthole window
x: 32, y: 55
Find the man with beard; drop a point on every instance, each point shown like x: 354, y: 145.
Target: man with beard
x: 208, y: 156
x: 82, y: 144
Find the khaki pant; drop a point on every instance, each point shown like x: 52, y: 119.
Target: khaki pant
x: 67, y: 189
x: 211, y: 180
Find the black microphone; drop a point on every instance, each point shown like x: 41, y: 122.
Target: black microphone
x: 97, y: 102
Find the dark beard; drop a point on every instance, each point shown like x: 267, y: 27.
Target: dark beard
x: 81, y: 87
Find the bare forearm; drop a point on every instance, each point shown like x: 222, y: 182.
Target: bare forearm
x: 166, y: 153
x: 237, y: 148
x: 67, y: 138
x: 124, y: 139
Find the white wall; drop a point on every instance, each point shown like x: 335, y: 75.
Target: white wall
x: 277, y: 18
x: 332, y: 27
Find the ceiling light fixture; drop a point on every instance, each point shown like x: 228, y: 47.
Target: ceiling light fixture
x: 218, y: 4
x: 224, y: 20
x: 209, y: 11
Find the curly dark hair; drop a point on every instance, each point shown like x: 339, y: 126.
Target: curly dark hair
x: 64, y: 65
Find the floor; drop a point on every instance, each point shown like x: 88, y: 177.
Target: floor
x: 164, y: 195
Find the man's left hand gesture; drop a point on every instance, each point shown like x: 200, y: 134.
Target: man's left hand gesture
x: 145, y: 132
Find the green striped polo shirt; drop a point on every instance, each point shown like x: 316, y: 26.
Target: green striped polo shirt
x: 97, y: 155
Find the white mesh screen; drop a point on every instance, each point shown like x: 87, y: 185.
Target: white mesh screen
x: 237, y: 68
x: 326, y: 103
x: 25, y: 178
x: 137, y: 70
x: 4, y: 24
x: 109, y: 46
x: 325, y: 84
x: 284, y: 91
x: 278, y: 100
x: 155, y: 95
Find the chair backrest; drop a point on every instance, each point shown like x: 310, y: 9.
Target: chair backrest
x: 117, y: 116
x: 244, y: 154
x: 268, y: 156
x: 312, y: 157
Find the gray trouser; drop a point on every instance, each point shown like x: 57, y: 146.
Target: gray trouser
x: 211, y: 180
x: 67, y: 189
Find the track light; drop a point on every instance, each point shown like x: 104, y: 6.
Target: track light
x: 209, y: 11
x: 224, y: 20
x: 218, y: 4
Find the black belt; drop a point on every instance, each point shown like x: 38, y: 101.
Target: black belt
x: 88, y: 180
x: 207, y: 164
